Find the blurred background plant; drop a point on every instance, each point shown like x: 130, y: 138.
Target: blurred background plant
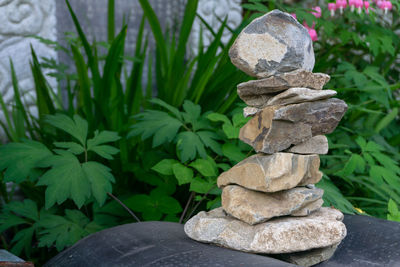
x: 107, y: 152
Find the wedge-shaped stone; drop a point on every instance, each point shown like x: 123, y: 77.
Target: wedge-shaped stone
x: 255, y: 207
x: 299, y: 95
x: 315, y: 145
x: 309, y: 257
x: 272, y: 44
x: 322, y: 228
x: 250, y: 111
x: 277, y: 128
x: 268, y: 87
x: 272, y: 173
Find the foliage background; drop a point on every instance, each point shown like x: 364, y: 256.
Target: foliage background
x: 114, y: 154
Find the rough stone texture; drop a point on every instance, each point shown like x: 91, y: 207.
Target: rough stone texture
x: 250, y: 111
x: 322, y: 228
x: 299, y: 95
x: 272, y: 85
x: 307, y: 209
x: 272, y: 44
x: 277, y: 128
x: 19, y: 21
x: 255, y: 207
x: 310, y: 257
x: 315, y: 145
x: 272, y: 173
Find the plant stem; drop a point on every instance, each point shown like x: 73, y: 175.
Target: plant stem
x: 124, y: 206
x: 201, y: 200
x: 187, y: 206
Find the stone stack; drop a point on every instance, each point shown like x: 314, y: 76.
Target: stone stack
x: 269, y: 202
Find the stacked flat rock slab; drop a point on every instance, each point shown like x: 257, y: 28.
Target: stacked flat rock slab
x: 269, y: 202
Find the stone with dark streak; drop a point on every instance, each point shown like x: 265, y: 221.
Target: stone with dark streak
x: 272, y: 173
x: 276, y: 128
x: 255, y: 207
x: 272, y: 44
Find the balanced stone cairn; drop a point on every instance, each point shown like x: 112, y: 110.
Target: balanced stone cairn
x: 269, y: 202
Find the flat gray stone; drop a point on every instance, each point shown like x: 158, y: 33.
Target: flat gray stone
x: 310, y: 257
x: 299, y: 95
x: 276, y: 128
x: 322, y: 228
x: 266, y: 88
x: 272, y: 173
x: 315, y: 145
x: 255, y: 207
x: 272, y: 44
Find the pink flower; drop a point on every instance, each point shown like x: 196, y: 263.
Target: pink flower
x: 294, y: 15
x: 317, y: 12
x: 341, y: 4
x: 332, y: 8
x: 352, y: 4
x: 313, y: 34
x: 359, y: 4
x: 366, y: 5
x: 387, y: 6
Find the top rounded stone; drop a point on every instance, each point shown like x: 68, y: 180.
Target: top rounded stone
x: 273, y: 44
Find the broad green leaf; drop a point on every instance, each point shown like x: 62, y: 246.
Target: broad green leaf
x: 376, y: 174
x: 20, y: 159
x: 100, y: 179
x: 23, y: 241
x: 182, y: 173
x: 356, y: 162
x: 218, y: 117
x: 230, y: 131
x: 158, y: 124
x: 65, y: 231
x: 233, y: 152
x: 200, y: 186
x: 104, y: 151
x: 393, y: 211
x: 165, y: 166
x: 170, y: 108
x: 189, y: 146
x: 165, y: 203
x: 102, y: 137
x: 65, y: 180
x: 208, y: 138
x: 72, y: 147
x: 205, y: 167
x: 386, y: 120
x: 76, y: 127
x: 239, y: 120
x: 333, y: 196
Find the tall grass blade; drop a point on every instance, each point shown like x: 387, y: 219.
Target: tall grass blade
x: 111, y: 20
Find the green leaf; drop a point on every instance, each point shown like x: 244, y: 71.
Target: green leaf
x: 165, y: 166
x: 375, y: 174
x: 356, y: 162
x: 20, y: 159
x: 65, y: 231
x: 333, y: 196
x: 386, y: 120
x: 72, y: 147
x: 68, y: 179
x: 158, y: 124
x: 189, y: 145
x: 205, y: 167
x: 165, y: 203
x: 23, y: 241
x: 215, y: 117
x: 100, y: 179
x: 208, y: 138
x: 102, y: 137
x: 393, y: 211
x: 233, y: 152
x: 105, y: 151
x: 64, y: 180
x: 77, y: 127
x: 168, y: 107
x: 200, y: 186
x: 182, y: 173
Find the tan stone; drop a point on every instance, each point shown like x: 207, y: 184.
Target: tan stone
x: 299, y: 95
x: 272, y: 173
x: 257, y: 92
x: 315, y: 145
x: 250, y: 111
x: 310, y: 257
x: 322, y: 228
x: 272, y: 44
x: 255, y: 207
x: 277, y: 128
